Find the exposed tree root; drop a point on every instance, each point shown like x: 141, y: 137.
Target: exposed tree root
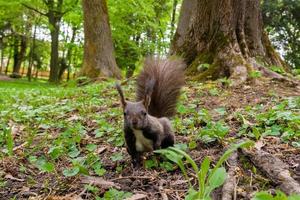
x: 270, y: 74
x: 276, y: 170
x: 230, y: 183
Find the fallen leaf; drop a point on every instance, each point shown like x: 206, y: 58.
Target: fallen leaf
x: 98, y: 181
x: 137, y: 197
x: 100, y: 150
x: 259, y: 144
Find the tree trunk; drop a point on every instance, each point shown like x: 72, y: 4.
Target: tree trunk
x: 66, y: 64
x: 19, y: 55
x: 36, y: 73
x: 226, y: 34
x: 99, y: 56
x: 2, y: 53
x: 2, y: 60
x: 8, y: 60
x: 175, y: 2
x: 54, y: 66
x: 29, y: 72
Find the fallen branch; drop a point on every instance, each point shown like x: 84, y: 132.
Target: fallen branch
x: 276, y: 170
x: 230, y: 183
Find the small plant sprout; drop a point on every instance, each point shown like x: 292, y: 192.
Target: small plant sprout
x: 208, y: 178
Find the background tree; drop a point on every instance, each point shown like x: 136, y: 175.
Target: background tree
x: 140, y: 28
x: 99, y: 56
x: 282, y: 21
x: 226, y: 34
x: 54, y: 11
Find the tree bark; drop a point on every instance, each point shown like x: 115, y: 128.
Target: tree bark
x: 8, y: 60
x: 66, y: 64
x: 19, y: 55
x: 54, y: 67
x: 226, y: 34
x: 29, y: 72
x: 99, y: 56
x: 175, y: 2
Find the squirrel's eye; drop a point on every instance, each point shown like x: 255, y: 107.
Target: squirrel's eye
x: 144, y: 113
x: 125, y: 113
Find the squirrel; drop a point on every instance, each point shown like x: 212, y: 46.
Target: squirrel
x: 146, y: 124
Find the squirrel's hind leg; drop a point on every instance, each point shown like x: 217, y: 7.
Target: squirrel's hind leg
x: 169, y: 136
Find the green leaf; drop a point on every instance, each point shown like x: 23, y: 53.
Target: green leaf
x: 192, y: 144
x: 91, y: 147
x: 100, y: 171
x: 216, y: 179
x: 262, y: 196
x: 74, y: 152
x: 151, y: 163
x: 71, y: 172
x: 116, y: 157
x: 167, y: 166
x: 116, y: 194
x: 9, y: 140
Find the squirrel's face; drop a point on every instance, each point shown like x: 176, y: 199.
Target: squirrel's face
x: 135, y: 115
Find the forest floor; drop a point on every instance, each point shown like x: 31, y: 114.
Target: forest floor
x: 66, y: 142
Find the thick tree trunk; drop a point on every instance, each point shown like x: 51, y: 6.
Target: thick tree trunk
x: 19, y: 55
x: 99, y: 56
x: 226, y: 34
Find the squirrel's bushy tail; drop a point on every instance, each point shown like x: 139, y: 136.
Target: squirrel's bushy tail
x: 164, y: 78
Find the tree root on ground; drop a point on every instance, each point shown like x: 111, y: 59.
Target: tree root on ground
x: 230, y: 183
x: 276, y: 170
x: 273, y: 75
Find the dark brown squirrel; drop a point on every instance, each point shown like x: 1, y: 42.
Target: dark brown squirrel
x: 146, y: 123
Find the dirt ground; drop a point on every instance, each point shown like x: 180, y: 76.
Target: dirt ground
x: 159, y: 184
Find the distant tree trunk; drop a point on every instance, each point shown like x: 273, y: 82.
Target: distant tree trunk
x: 8, y: 60
x: 227, y: 34
x: 19, y: 55
x: 54, y: 66
x: 2, y: 60
x: 29, y: 72
x: 67, y: 60
x: 175, y: 2
x: 99, y: 56
x: 36, y: 73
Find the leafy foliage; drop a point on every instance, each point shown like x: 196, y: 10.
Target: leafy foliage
x: 208, y: 179
x: 282, y: 21
x: 279, y: 196
x: 281, y: 120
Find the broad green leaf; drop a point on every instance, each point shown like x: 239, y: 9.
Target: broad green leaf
x: 71, y: 172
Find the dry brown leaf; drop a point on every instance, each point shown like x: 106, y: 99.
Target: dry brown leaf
x: 259, y: 144
x: 137, y: 197
x: 98, y: 181
x: 100, y: 150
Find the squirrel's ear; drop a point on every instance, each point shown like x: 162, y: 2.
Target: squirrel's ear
x: 147, y: 101
x: 119, y: 89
